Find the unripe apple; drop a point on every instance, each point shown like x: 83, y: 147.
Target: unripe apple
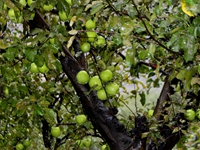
x: 48, y: 7
x: 62, y: 15
x: 55, y: 131
x: 85, y: 47
x: 34, y: 68
x: 112, y: 88
x: 43, y: 69
x: 90, y: 24
x: 6, y: 91
x: 5, y: 6
x: 106, y: 75
x: 29, y: 2
x: 150, y: 113
x: 103, y: 147
x: 19, y: 146
x: 11, y: 13
x: 100, y: 41
x: 82, y: 77
x: 80, y: 119
x: 95, y: 83
x: 91, y: 36
x: 189, y: 114
x: 101, y: 94
x: 198, y: 114
x: 52, y: 40
x: 27, y: 143
x: 69, y: 2
x: 22, y: 2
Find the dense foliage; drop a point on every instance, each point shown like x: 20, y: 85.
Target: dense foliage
x: 45, y: 43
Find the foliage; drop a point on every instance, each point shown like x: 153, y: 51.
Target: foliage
x: 151, y: 39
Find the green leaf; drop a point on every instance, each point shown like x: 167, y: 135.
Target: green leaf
x: 96, y: 8
x: 39, y: 60
x: 143, y: 98
x: 62, y: 5
x: 38, y: 110
x: 50, y: 59
x: 31, y: 53
x: 131, y: 11
x: 181, y: 74
x: 11, y: 52
x: 50, y: 116
x: 130, y: 57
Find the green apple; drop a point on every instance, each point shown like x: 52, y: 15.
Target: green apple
x: 55, y: 131
x: 86, y: 142
x: 6, y: 91
x: 69, y: 2
x: 34, y: 68
x: 22, y: 2
x: 81, y: 119
x: 198, y: 114
x: 189, y: 114
x: 103, y: 147
x: 100, y: 41
x: 90, y: 24
x: 29, y: 2
x: 48, y: 7
x: 85, y: 47
x: 101, y: 94
x: 43, y: 69
x: 19, y: 146
x: 5, y: 6
x: 11, y: 13
x: 150, y: 113
x: 112, y: 88
x: 106, y: 75
x: 82, y: 77
x: 20, y: 19
x: 52, y: 40
x: 27, y: 143
x: 95, y: 83
x: 62, y: 15
x: 91, y: 36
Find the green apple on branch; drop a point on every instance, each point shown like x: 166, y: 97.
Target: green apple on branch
x: 112, y: 88
x: 81, y: 119
x: 106, y: 75
x: 91, y: 36
x: 85, y: 47
x: 34, y: 68
x: 189, y: 114
x: 22, y: 2
x: 82, y: 77
x: 48, y: 7
x: 62, y: 15
x: 19, y: 146
x: 95, y: 83
x: 55, y: 131
x: 43, y: 69
x: 101, y: 94
x: 90, y: 24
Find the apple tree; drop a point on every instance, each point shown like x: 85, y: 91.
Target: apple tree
x: 65, y: 67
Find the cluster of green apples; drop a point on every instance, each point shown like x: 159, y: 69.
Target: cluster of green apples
x: 190, y: 114
x: 92, y: 36
x: 36, y: 69
x: 15, y: 15
x: 95, y: 82
x: 24, y: 145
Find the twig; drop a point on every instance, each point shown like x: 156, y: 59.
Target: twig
x: 153, y: 38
